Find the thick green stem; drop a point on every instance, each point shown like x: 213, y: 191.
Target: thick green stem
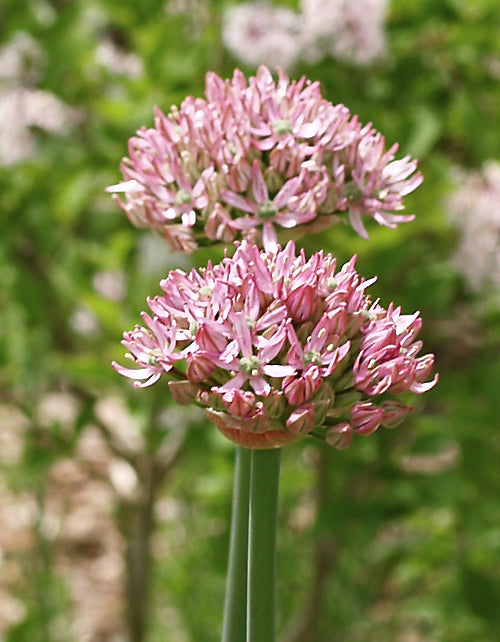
x: 235, y: 620
x: 264, y: 484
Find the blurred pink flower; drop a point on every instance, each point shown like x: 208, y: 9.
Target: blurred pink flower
x: 261, y: 160
x: 276, y: 347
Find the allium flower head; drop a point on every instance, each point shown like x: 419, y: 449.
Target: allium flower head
x: 262, y: 160
x: 276, y: 347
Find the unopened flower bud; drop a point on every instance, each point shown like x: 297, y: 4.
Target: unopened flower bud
x: 199, y: 368
x: 183, y: 392
x: 274, y: 404
x: 339, y: 436
x: 239, y: 403
x: 298, y: 390
x: 366, y: 418
x: 394, y: 412
x: 301, y: 303
x: 301, y: 420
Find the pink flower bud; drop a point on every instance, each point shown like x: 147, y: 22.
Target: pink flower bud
x: 394, y: 412
x: 274, y: 404
x: 183, y: 392
x: 301, y: 303
x: 239, y: 403
x: 301, y: 420
x: 298, y: 390
x: 210, y: 338
x: 239, y: 177
x: 366, y: 418
x: 339, y: 436
x: 198, y: 368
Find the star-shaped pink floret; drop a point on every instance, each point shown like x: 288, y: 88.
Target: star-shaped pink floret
x: 249, y: 353
x: 283, y: 209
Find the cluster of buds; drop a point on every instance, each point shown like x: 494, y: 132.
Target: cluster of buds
x: 276, y: 347
x: 260, y: 160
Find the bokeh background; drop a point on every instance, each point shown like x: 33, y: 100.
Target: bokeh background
x: 114, y: 503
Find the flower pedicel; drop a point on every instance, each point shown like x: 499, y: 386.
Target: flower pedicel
x: 276, y: 347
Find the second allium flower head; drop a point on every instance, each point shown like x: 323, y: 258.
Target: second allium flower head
x: 276, y: 347
x: 260, y: 160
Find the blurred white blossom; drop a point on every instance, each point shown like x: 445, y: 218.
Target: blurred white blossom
x: 117, y: 60
x: 196, y: 13
x: 348, y: 29
x: 21, y: 59
x: 84, y: 322
x: 259, y: 32
x: 110, y: 284
x: 474, y: 208
x: 22, y: 106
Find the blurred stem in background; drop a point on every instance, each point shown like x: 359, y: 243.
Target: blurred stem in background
x: 306, y: 626
x: 138, y: 524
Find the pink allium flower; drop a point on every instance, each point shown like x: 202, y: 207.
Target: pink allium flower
x: 260, y: 160
x: 276, y: 347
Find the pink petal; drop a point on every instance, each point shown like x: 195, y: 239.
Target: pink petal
x: 243, y: 335
x: 125, y: 186
x: 288, y: 190
x: 269, y: 237
x: 133, y: 373
x: 357, y: 223
x: 279, y: 371
x: 260, y: 385
x: 259, y: 188
x: 419, y: 388
x: 244, y: 223
x: 238, y: 201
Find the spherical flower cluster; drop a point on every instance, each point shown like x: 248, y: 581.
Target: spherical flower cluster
x: 276, y: 347
x: 254, y: 159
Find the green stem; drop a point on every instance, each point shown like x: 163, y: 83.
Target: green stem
x: 234, y: 623
x: 264, y: 483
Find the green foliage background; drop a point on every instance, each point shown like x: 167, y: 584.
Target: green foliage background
x: 398, y: 538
